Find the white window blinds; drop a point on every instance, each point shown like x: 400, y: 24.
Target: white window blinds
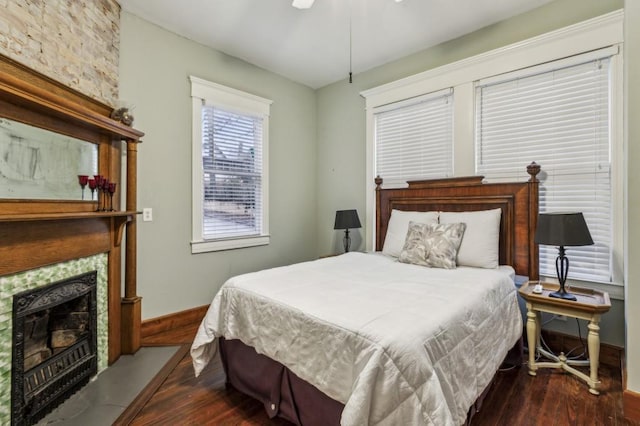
x: 557, y: 115
x: 232, y: 171
x: 414, y: 138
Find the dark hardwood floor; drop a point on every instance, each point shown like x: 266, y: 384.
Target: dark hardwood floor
x: 550, y: 398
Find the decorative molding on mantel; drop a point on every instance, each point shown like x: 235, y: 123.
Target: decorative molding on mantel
x: 32, y: 95
x: 120, y: 219
x: 49, y: 241
x: 63, y: 216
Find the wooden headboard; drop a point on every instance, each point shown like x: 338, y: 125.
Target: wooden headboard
x: 518, y: 201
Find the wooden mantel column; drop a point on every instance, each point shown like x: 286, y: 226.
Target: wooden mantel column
x: 131, y: 302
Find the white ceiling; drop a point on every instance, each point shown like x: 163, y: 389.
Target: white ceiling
x: 312, y: 46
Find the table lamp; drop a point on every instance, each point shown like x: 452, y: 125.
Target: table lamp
x: 347, y: 219
x: 562, y: 229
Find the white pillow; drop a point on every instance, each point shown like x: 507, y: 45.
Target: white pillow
x: 480, y: 245
x: 398, y: 227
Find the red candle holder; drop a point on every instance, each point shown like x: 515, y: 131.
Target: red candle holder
x: 83, y: 180
x: 112, y: 190
x: 102, y: 184
x: 92, y: 186
x: 103, y: 188
x: 98, y: 179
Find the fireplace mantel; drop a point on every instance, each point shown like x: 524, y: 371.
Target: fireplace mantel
x: 39, y: 239
x: 38, y: 233
x: 28, y: 217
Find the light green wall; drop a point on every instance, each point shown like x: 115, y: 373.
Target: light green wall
x: 632, y: 90
x: 154, y: 69
x: 341, y: 121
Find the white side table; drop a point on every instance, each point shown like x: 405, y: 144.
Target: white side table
x: 591, y: 304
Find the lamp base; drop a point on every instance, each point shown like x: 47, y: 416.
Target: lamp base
x: 563, y: 295
x: 347, y: 241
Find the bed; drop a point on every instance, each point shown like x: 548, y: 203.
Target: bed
x: 368, y: 339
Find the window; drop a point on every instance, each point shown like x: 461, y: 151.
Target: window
x: 414, y: 138
x: 558, y: 115
x: 230, y: 146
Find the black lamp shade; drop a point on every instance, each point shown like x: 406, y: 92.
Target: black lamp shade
x: 347, y: 219
x: 562, y: 229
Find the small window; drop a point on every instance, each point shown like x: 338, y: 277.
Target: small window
x: 230, y: 134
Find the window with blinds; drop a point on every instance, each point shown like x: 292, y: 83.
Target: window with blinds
x: 232, y: 174
x: 230, y: 182
x: 557, y: 115
x: 414, y: 138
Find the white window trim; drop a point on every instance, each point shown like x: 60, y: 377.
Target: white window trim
x: 595, y: 33
x: 204, y: 92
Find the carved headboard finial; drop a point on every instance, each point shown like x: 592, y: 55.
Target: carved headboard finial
x: 378, y: 181
x: 533, y: 169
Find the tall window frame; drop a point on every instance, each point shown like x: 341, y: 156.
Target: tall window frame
x: 241, y: 219
x: 560, y: 115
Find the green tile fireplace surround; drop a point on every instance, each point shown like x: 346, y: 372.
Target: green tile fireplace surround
x: 40, y: 277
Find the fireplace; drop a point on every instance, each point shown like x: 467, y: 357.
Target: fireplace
x: 54, y: 345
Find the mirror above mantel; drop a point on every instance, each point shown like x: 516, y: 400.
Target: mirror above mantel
x: 40, y: 164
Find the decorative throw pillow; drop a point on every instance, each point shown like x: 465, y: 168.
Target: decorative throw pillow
x: 480, y: 246
x: 433, y: 245
x: 398, y: 227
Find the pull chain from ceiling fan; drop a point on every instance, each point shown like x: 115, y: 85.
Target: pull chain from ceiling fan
x: 350, y: 42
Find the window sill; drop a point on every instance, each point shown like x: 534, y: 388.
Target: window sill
x: 228, y: 244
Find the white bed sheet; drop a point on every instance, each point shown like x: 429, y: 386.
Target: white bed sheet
x: 395, y: 343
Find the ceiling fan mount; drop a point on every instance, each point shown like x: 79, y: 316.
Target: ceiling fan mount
x: 302, y: 4
x: 306, y: 4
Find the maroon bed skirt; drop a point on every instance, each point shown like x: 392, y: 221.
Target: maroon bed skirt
x: 282, y: 392
x: 285, y: 395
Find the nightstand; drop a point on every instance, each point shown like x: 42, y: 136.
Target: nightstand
x: 591, y: 304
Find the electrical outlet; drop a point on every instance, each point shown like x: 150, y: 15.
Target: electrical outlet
x: 561, y: 318
x: 147, y: 214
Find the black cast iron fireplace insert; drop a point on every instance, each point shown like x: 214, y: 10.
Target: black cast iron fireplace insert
x: 54, y: 345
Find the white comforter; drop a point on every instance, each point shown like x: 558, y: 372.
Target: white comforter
x: 395, y: 343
